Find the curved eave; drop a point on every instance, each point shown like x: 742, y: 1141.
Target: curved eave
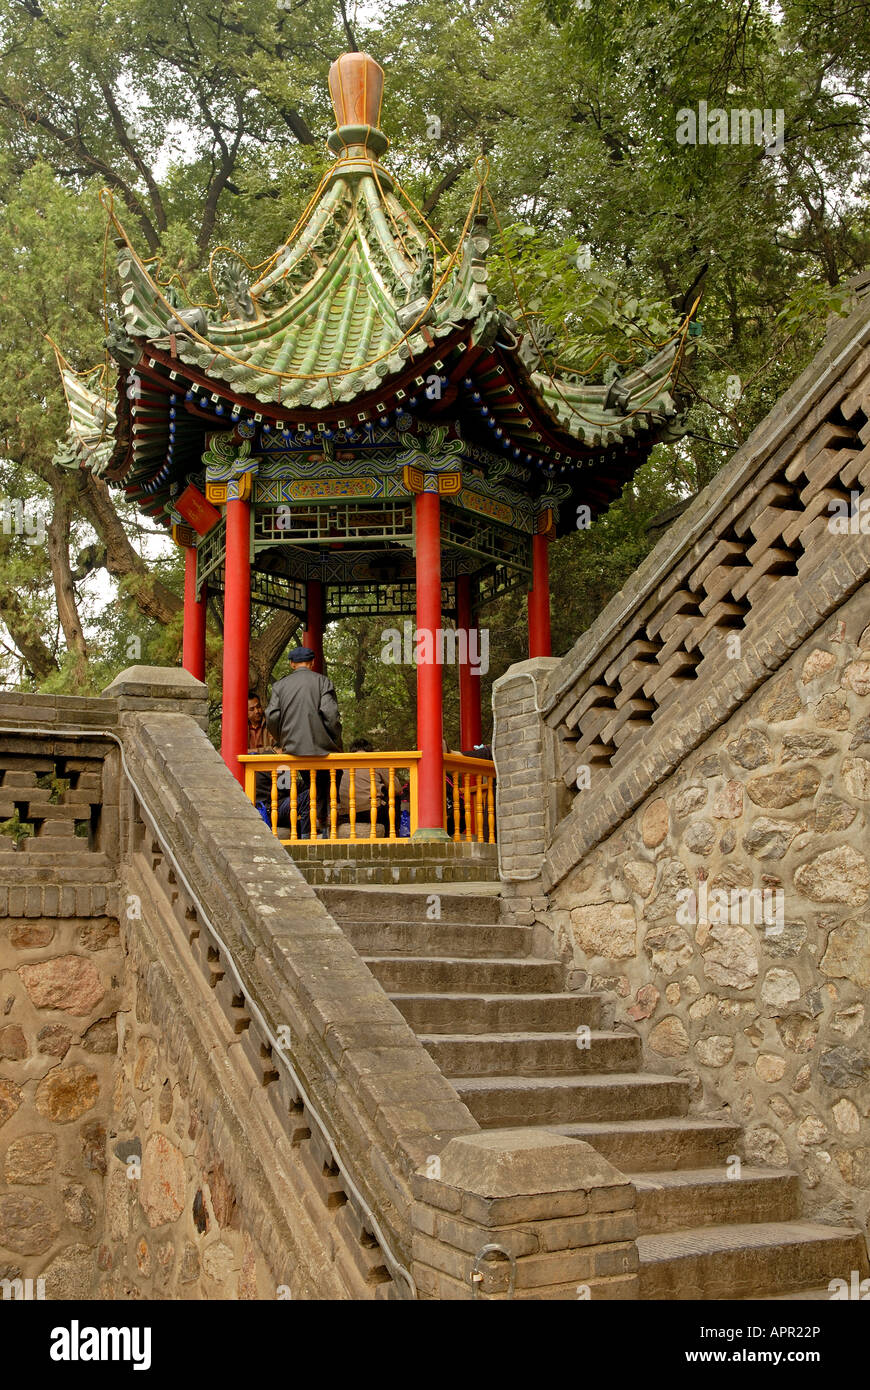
x: 581, y: 410
x: 90, y: 438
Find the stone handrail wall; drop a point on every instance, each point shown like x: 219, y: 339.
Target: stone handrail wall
x: 752, y: 559
x: 381, y: 1102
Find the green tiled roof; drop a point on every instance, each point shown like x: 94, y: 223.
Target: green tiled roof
x: 359, y: 303
x: 327, y: 325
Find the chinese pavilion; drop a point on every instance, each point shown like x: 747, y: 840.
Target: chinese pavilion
x: 356, y: 429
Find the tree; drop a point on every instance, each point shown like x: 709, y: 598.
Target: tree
x: 206, y: 124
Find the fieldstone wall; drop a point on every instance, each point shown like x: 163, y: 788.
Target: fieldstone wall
x: 767, y: 1018
x: 186, y: 1198
x: 61, y: 987
x: 60, y: 996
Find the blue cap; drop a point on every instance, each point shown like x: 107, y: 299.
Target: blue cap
x: 302, y: 654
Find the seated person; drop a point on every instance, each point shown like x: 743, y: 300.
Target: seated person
x: 362, y: 791
x: 259, y: 738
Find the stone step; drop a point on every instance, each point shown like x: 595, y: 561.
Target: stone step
x: 693, y: 1197
x: 371, y: 937
x: 497, y: 1013
x: 532, y: 1054
x: 505, y: 1101
x: 402, y: 974
x: 747, y: 1261
x: 396, y: 851
x: 350, y: 873
x: 480, y: 906
x: 661, y: 1145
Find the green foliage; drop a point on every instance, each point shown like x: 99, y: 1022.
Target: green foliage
x: 16, y: 828
x: 597, y: 325
x: 207, y: 123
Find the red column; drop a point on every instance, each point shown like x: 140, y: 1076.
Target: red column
x: 312, y: 637
x: 539, y: 600
x: 237, y: 635
x: 427, y: 507
x: 193, y: 642
x: 470, y: 722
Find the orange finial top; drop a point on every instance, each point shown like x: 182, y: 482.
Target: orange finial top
x: 356, y: 86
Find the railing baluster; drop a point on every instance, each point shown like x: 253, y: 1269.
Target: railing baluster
x: 373, y: 810
x: 490, y: 784
x: 468, y: 807
x: 294, y: 806
x: 392, y: 802
x: 478, y: 802
x: 333, y: 806
x: 312, y: 804
x: 412, y: 792
x: 251, y: 782
x: 351, y: 801
x: 274, y: 800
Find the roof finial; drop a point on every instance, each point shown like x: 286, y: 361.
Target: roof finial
x: 356, y: 86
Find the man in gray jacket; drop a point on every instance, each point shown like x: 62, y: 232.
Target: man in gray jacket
x: 303, y: 716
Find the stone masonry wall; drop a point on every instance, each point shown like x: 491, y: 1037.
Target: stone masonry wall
x: 60, y: 992
x: 185, y: 1199
x: 768, y: 1020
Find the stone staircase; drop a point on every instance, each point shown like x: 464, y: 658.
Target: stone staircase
x: 502, y: 1028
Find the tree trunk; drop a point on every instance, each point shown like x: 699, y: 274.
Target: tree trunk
x: 58, y: 555
x: 266, y: 649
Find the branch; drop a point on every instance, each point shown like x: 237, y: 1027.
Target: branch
x: 37, y: 657
x: 77, y: 145
x: 444, y: 183
x: 151, y: 595
x: 127, y: 145
x: 266, y: 649
x: 348, y: 28
x: 299, y: 126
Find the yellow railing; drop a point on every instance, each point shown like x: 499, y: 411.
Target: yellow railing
x: 473, y: 798
x: 468, y: 795
x: 284, y: 771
